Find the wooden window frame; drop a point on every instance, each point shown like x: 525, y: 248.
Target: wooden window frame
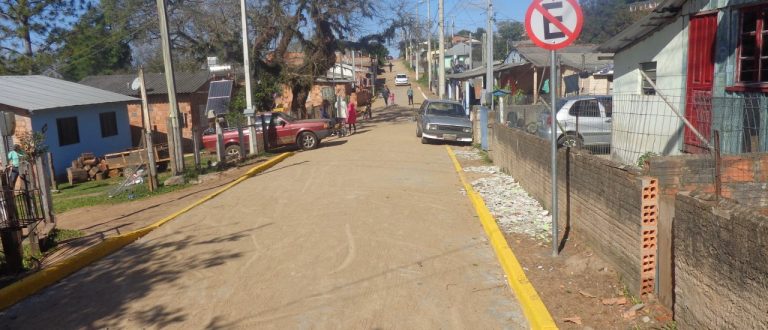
x: 63, y: 141
x: 760, y: 84
x: 645, y: 87
x: 111, y: 130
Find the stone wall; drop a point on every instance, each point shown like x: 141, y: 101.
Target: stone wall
x: 599, y: 200
x: 721, y: 265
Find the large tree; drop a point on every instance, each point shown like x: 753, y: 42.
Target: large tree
x: 604, y: 19
x: 26, y: 27
x: 93, y: 46
x: 508, y: 33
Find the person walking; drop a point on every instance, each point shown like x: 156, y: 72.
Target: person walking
x: 13, y: 164
x: 392, y: 98
x: 410, y: 95
x: 341, y: 113
x: 385, y: 95
x: 352, y: 118
x: 390, y: 66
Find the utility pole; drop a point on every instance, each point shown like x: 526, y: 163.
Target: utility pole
x: 177, y: 155
x: 471, y: 50
x: 429, y: 44
x: 253, y: 148
x: 418, y: 43
x: 148, y: 133
x: 489, y: 57
x: 441, y: 67
x: 453, y: 28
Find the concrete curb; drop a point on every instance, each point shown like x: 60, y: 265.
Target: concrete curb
x: 50, y: 275
x: 537, y: 314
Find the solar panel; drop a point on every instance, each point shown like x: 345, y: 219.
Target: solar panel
x: 219, y: 95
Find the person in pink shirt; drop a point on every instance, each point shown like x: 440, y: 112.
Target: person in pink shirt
x: 392, y: 97
x: 352, y: 117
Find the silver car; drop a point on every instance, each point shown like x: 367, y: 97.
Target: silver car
x: 585, y: 119
x: 443, y: 120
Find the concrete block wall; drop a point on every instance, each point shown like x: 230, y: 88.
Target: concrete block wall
x: 721, y: 265
x: 601, y: 200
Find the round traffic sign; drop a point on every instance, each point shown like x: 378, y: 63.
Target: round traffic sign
x: 553, y: 24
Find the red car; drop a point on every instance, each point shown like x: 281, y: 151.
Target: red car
x: 284, y: 130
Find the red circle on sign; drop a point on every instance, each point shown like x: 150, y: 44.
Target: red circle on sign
x: 572, y: 35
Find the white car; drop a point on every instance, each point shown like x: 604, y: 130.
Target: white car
x: 401, y: 79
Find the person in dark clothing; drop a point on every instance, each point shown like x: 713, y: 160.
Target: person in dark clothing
x: 385, y: 95
x: 390, y: 66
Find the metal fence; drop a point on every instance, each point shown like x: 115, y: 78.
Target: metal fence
x: 20, y: 208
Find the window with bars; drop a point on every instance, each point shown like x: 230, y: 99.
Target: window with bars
x: 650, y: 70
x: 753, y: 48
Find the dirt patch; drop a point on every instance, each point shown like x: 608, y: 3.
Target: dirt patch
x: 580, y: 290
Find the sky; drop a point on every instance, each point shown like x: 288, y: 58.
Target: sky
x: 467, y: 14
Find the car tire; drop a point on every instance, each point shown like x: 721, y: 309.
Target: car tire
x: 308, y: 141
x: 424, y: 140
x: 232, y: 152
x: 571, y: 141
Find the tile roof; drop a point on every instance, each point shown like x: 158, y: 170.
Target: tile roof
x: 186, y: 82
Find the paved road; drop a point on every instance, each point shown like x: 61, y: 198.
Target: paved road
x: 369, y: 231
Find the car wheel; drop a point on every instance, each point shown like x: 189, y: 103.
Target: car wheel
x: 418, y: 131
x: 308, y: 141
x: 232, y: 152
x: 571, y: 141
x: 424, y: 140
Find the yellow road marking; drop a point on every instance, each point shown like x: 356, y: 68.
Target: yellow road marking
x: 27, y: 286
x: 537, y: 314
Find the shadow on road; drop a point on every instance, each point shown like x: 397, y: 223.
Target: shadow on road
x: 100, y: 295
x: 392, y: 114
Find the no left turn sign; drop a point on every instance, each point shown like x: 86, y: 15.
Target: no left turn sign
x: 553, y: 24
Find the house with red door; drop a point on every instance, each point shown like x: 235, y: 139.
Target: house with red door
x: 708, y: 60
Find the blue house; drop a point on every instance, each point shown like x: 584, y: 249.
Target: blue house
x: 76, y: 118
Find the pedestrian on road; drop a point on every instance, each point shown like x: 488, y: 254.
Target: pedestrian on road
x: 13, y: 164
x: 369, y: 111
x: 341, y: 113
x: 410, y: 95
x: 352, y: 118
x: 390, y: 66
x: 385, y: 95
x: 392, y: 98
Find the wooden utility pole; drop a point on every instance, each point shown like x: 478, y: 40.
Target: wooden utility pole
x: 148, y: 133
x: 174, y: 132
x: 441, y: 65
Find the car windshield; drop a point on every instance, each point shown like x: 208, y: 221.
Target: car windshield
x: 446, y: 109
x: 401, y: 76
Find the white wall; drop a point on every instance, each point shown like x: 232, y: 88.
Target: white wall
x: 644, y: 123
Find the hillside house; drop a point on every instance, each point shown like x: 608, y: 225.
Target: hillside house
x: 75, y: 118
x: 707, y: 59
x: 191, y: 95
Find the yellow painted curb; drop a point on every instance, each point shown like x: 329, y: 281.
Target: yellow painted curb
x: 35, y: 282
x: 537, y: 314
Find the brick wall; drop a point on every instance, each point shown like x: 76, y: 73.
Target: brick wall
x: 600, y: 200
x: 189, y: 107
x: 721, y: 265
x: 744, y: 177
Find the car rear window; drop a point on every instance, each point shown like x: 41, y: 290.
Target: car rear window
x: 401, y: 76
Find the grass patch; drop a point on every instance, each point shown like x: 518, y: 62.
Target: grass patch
x: 93, y: 193
x: 483, y: 154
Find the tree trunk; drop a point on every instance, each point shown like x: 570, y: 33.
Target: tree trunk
x: 299, y: 100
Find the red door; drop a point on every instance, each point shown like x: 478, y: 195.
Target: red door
x: 701, y: 67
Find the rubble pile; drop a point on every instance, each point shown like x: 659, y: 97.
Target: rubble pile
x: 468, y: 155
x: 514, y: 210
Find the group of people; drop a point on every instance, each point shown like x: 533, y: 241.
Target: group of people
x: 345, y: 114
x: 389, y: 96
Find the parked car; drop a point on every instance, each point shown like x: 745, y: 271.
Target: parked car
x: 401, y: 79
x: 285, y: 131
x: 443, y: 120
x: 585, y: 119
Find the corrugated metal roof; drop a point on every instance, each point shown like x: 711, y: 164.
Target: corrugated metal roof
x: 575, y: 56
x: 666, y: 12
x: 186, y: 82
x: 33, y: 93
x: 481, y: 71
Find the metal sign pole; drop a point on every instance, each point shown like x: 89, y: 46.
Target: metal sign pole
x: 553, y: 110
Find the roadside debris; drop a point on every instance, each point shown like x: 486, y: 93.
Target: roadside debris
x: 468, y: 155
x: 510, y: 204
x: 574, y: 319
